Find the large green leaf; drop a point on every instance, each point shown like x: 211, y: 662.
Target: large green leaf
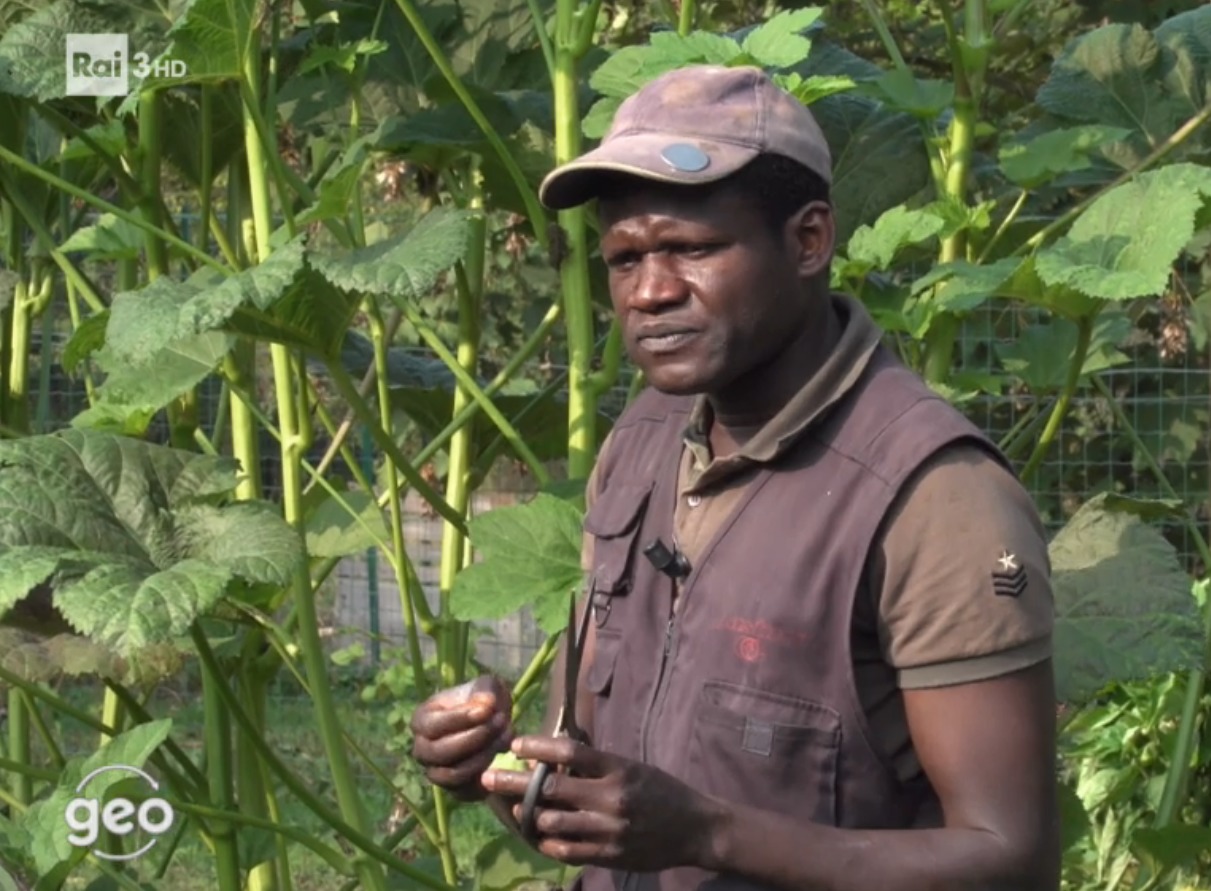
x: 1124, y: 610
x: 875, y: 247
x: 108, y: 239
x: 879, y: 158
x: 1042, y: 354
x: 334, y: 529
x: 170, y: 371
x: 531, y: 557
x: 142, y: 321
x: 44, y: 823
x: 405, y: 267
x: 1038, y: 160
x: 1123, y: 76
x: 133, y: 538
x: 1124, y: 245
x: 31, y: 51
x: 214, y: 38
x: 507, y: 863
x: 779, y: 42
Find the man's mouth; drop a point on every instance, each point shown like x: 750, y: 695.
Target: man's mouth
x: 664, y: 339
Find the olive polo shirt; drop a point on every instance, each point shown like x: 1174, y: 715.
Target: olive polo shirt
x: 921, y: 621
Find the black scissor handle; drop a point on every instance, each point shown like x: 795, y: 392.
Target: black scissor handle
x: 530, y: 803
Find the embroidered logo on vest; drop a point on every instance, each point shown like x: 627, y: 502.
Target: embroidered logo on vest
x: 751, y: 638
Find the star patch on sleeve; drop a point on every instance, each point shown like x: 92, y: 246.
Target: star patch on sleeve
x: 1009, y: 578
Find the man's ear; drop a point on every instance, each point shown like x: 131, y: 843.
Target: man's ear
x: 812, y: 234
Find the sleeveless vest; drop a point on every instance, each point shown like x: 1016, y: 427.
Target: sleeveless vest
x: 747, y: 692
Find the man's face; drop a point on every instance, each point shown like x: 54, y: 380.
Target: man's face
x: 704, y: 290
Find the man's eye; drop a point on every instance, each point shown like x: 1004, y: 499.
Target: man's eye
x: 622, y: 260
x: 695, y: 249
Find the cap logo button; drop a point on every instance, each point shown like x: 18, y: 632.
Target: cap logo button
x: 685, y: 158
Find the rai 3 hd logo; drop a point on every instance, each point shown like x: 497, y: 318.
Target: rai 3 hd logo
x: 102, y: 65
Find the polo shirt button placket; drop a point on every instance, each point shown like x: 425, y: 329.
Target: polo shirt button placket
x: 693, y: 500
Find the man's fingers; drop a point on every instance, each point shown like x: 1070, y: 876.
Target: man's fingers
x: 464, y: 773
x: 435, y: 720
x: 450, y: 749
x: 576, y: 825
x: 562, y: 751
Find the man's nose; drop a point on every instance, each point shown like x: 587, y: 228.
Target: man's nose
x: 657, y: 284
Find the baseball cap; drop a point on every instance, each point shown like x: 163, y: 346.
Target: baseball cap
x: 691, y: 126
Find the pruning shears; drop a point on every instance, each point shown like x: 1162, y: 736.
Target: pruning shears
x: 565, y: 722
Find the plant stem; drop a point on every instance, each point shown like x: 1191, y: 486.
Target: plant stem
x: 20, y: 331
x: 354, y: 835
x: 574, y: 268
x: 329, y: 855
x: 685, y: 17
x: 1060, y: 409
x: 217, y: 732
x: 944, y: 332
x: 348, y: 800
x: 1184, y: 132
x: 347, y: 389
x: 408, y: 594
x: 885, y: 35
x: 19, y: 744
x: 534, y: 210
x: 1005, y: 224
x: 467, y: 384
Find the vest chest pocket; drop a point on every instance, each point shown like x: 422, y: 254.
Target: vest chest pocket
x: 614, y: 521
x: 765, y: 750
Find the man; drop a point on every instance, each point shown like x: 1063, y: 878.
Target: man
x: 843, y: 682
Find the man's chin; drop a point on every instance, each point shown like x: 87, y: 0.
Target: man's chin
x: 677, y: 384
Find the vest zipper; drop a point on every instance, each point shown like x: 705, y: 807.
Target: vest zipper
x: 630, y: 880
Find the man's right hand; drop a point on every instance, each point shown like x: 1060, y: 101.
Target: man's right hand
x: 457, y: 733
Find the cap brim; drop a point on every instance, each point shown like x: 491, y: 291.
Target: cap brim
x: 640, y: 155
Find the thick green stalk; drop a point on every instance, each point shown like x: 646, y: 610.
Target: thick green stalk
x: 256, y: 795
x: 290, y: 425
x: 19, y: 749
x: 314, y: 803
x: 685, y: 17
x: 1060, y: 409
x: 470, y: 281
x: 183, y: 411
x: 20, y: 331
x: 407, y: 592
x: 944, y: 332
x: 574, y: 268
x: 239, y: 366
x: 217, y: 730
x: 151, y: 117
x: 22, y: 206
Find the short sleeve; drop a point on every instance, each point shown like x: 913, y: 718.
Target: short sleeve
x: 962, y: 574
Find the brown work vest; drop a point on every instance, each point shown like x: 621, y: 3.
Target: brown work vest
x: 747, y: 693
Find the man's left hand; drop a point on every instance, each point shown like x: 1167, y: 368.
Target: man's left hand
x: 610, y: 811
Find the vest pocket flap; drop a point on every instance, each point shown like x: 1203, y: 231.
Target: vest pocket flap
x: 617, y: 509
x: 600, y: 674
x: 756, y: 715
x: 614, y: 522
x: 765, y: 750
